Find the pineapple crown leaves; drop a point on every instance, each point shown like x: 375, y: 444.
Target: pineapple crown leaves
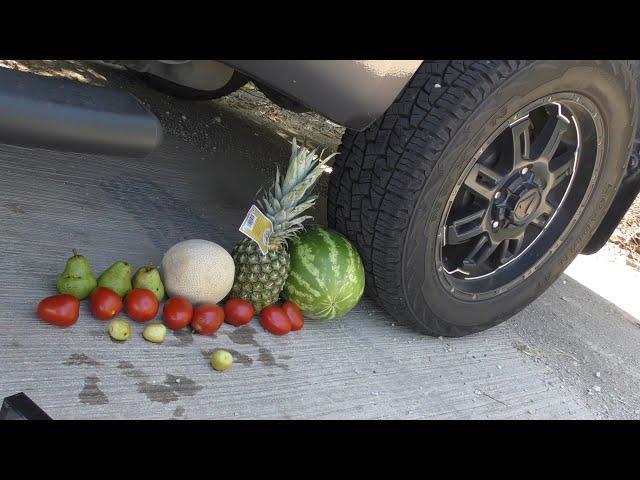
x: 305, y: 167
x: 292, y: 194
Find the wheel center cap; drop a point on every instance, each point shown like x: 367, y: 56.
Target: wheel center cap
x: 527, y: 205
x: 520, y: 202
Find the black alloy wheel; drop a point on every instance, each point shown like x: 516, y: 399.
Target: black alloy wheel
x: 517, y: 196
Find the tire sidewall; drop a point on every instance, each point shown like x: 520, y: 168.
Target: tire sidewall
x: 426, y: 297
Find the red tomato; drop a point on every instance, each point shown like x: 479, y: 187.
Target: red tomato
x: 238, y: 312
x: 105, y: 303
x: 60, y: 310
x: 294, y: 314
x: 141, y: 304
x: 207, y: 318
x: 177, y: 313
x: 274, y: 320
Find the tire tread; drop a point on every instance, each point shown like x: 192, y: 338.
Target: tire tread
x: 380, y: 172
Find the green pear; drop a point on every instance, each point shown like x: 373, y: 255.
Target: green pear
x: 117, y: 278
x: 77, y: 279
x: 149, y: 278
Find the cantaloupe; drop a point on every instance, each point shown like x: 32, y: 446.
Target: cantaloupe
x: 199, y: 270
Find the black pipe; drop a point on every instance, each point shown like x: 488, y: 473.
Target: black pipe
x: 59, y: 114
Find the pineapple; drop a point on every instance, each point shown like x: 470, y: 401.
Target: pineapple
x: 260, y: 278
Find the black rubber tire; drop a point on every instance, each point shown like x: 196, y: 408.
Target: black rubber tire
x: 627, y: 192
x: 390, y: 183
x: 163, y: 85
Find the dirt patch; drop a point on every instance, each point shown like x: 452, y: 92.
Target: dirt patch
x: 306, y: 126
x: 627, y: 235
x: 13, y: 207
x: 247, y: 102
x: 76, y: 70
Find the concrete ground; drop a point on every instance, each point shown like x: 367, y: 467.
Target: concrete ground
x: 570, y: 354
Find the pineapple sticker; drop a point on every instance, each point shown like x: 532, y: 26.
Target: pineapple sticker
x: 262, y: 259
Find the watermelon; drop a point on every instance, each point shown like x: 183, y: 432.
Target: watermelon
x: 326, y: 279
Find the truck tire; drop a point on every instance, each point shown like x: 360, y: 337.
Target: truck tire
x: 627, y: 192
x: 481, y: 183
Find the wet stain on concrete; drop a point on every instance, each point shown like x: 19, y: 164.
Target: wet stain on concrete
x: 243, y: 336
x: 14, y: 207
x: 91, y: 393
x: 238, y: 357
x: 267, y: 359
x: 16, y: 345
x: 206, y: 354
x: 174, y: 387
x: 81, y: 359
x: 158, y: 392
x: 135, y: 373
x: 241, y: 358
x: 184, y: 336
x: 285, y: 357
x: 124, y: 365
x: 183, y: 385
x: 129, y: 370
x: 178, y: 412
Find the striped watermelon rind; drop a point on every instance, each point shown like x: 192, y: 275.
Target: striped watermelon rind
x: 326, y: 279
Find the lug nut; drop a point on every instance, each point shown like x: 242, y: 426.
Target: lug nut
x: 524, y: 171
x: 495, y: 224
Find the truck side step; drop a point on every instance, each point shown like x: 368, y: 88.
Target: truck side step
x: 59, y: 114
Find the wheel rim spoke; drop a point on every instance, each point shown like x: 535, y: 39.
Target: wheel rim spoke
x: 483, y: 181
x: 485, y: 252
x: 466, y: 227
x: 547, y: 143
x: 521, y: 142
x: 545, y: 212
x: 481, y: 251
x: 566, y: 162
x: 510, y: 248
